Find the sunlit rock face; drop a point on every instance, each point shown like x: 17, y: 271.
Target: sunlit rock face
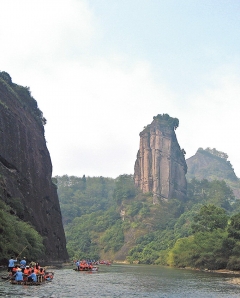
x: 26, y: 169
x: 160, y: 166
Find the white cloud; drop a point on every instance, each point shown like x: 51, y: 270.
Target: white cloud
x: 38, y: 32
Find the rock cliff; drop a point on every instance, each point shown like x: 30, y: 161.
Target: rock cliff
x: 26, y: 169
x: 160, y: 166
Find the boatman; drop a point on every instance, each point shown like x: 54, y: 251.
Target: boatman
x: 23, y: 263
x: 11, y: 264
x: 77, y: 264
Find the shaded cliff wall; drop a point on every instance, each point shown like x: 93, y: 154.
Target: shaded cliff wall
x: 160, y: 166
x: 26, y: 169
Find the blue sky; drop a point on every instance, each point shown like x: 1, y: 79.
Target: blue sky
x: 101, y: 69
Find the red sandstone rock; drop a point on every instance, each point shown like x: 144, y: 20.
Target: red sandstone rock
x: 160, y: 167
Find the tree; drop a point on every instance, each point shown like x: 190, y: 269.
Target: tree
x: 210, y: 218
x: 234, y: 227
x: 16, y: 234
x: 125, y: 188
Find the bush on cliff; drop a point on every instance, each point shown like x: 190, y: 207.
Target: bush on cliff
x: 17, y: 236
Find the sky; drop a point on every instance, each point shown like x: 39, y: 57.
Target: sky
x: 100, y: 71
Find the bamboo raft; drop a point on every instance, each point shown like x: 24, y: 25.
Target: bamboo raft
x: 94, y: 268
x: 27, y: 283
x: 40, y: 280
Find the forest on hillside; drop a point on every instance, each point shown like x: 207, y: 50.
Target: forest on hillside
x: 109, y: 218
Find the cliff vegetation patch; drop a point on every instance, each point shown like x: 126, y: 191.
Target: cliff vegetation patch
x: 15, y: 235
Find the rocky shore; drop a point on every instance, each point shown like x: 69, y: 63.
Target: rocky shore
x: 234, y: 281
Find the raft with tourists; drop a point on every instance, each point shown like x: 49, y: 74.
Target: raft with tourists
x: 85, y: 266
x: 30, y: 275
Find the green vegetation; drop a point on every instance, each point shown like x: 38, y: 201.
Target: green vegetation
x: 23, y: 94
x: 211, y: 164
x: 213, y: 245
x: 83, y: 233
x: 29, y: 103
x: 105, y: 217
x: 15, y: 235
x: 124, y: 188
x: 215, y: 152
x: 209, y: 218
x: 6, y: 77
x: 90, y: 213
x: 202, y: 232
x: 79, y: 196
x: 171, y: 122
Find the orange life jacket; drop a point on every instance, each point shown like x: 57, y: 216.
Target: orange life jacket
x: 27, y: 271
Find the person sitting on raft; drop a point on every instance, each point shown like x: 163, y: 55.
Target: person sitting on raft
x: 19, y: 275
x: 37, y: 268
x: 27, y: 271
x: 41, y: 271
x: 32, y: 276
x: 15, y: 269
x: 48, y: 276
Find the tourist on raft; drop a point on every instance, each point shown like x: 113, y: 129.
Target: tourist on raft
x: 41, y: 271
x: 15, y: 269
x: 32, y: 276
x: 37, y: 268
x: 19, y: 275
x: 26, y: 272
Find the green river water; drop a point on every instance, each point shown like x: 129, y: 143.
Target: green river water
x: 128, y: 281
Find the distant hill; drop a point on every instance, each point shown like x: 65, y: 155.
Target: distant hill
x: 212, y: 164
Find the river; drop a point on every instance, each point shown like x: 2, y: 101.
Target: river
x: 128, y: 281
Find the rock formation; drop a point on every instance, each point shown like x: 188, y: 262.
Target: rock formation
x: 26, y: 169
x: 160, y: 167
x: 212, y: 164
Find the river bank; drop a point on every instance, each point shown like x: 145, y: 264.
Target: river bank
x: 233, y: 280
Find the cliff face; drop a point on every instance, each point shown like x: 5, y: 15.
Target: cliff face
x: 160, y: 167
x: 26, y: 169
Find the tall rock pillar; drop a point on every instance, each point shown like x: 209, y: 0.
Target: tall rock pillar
x: 160, y: 166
